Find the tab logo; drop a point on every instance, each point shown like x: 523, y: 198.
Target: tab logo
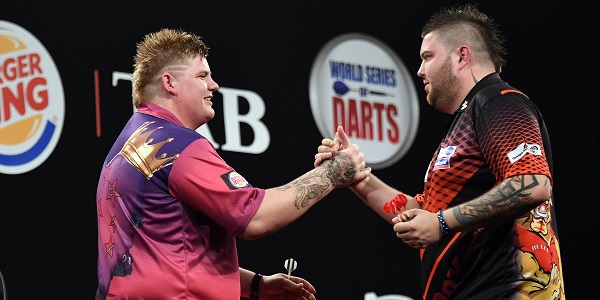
x: 32, y: 104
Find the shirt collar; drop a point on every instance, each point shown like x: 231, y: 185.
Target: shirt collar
x: 485, y: 81
x: 159, y: 112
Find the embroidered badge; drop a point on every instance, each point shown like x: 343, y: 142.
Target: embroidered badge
x: 443, y: 158
x: 234, y: 180
x: 523, y: 149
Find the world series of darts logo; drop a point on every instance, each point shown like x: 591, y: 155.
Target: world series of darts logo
x: 31, y: 101
x: 359, y: 83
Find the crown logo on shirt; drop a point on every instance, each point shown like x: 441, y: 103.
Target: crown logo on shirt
x: 141, y: 154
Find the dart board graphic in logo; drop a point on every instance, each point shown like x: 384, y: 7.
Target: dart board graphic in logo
x: 31, y: 101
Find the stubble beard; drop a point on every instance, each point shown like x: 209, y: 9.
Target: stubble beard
x: 443, y: 88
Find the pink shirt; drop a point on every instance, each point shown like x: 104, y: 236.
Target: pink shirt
x: 172, y: 235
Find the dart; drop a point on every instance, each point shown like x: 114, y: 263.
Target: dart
x: 290, y: 265
x: 341, y: 88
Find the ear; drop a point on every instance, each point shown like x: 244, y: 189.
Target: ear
x: 168, y: 83
x: 464, y: 55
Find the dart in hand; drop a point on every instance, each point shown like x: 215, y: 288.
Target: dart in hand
x: 290, y: 265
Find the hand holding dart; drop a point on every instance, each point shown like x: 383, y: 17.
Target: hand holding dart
x: 290, y: 265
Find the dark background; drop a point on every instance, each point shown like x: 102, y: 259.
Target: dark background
x: 48, y: 215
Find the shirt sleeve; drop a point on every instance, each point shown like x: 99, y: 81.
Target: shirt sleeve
x: 201, y: 179
x: 510, y: 137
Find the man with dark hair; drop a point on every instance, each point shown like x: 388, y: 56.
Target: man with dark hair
x: 485, y: 222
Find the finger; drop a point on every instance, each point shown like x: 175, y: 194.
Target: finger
x: 327, y: 142
x: 296, y: 288
x: 341, y: 139
x: 405, y: 216
x: 320, y: 157
x: 324, y: 149
x: 305, y: 284
x: 317, y: 162
x: 400, y: 230
x: 299, y: 291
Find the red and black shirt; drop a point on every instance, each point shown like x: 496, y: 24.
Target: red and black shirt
x: 497, y: 133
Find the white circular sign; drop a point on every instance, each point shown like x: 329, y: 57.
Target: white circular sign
x: 32, y: 104
x: 358, y: 82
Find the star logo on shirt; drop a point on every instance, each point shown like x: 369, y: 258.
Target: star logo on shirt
x: 110, y: 246
x: 112, y: 192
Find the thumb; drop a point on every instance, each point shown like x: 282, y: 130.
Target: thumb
x: 342, y: 138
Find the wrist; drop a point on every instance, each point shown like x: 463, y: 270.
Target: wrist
x: 254, y: 286
x: 443, y: 225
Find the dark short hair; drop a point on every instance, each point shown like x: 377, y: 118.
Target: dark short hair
x: 485, y: 30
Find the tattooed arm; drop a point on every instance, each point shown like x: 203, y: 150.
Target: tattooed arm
x: 507, y: 201
x: 283, y: 205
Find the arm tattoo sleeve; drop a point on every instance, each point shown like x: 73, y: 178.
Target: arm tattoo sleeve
x: 507, y: 201
x: 313, y: 186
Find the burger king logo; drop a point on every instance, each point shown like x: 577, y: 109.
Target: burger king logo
x: 237, y: 180
x: 31, y: 101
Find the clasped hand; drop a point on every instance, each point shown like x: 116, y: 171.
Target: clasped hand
x: 341, y: 146
x: 417, y: 228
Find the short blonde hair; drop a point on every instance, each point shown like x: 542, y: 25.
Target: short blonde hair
x: 159, y: 50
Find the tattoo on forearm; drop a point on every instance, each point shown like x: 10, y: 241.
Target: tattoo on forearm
x: 510, y: 199
x: 304, y: 194
x: 313, y: 186
x: 340, y: 170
